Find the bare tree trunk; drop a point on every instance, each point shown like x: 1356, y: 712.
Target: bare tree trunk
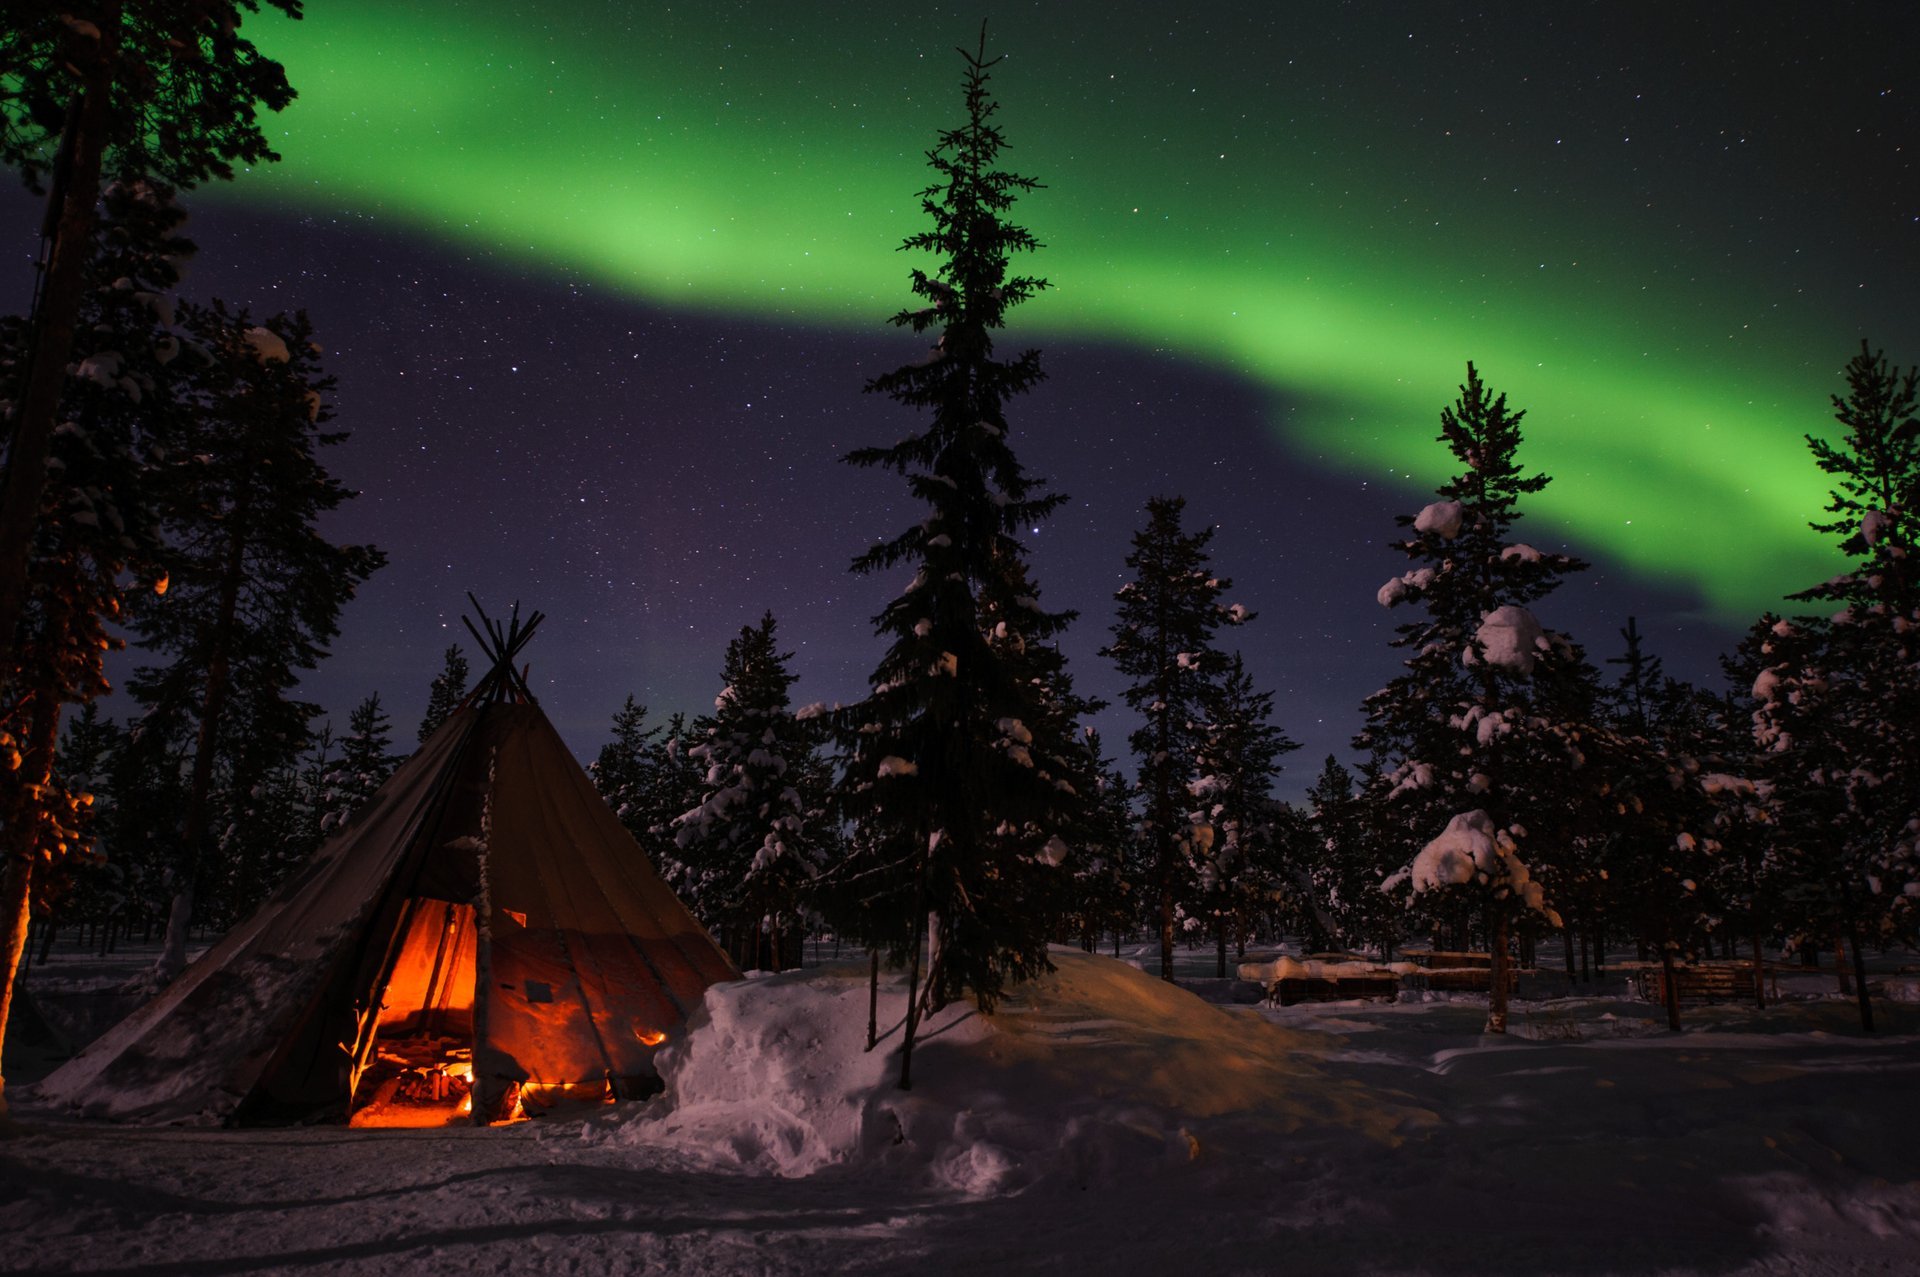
x: 1220, y: 947
x: 873, y: 998
x: 1759, y: 975
x: 1670, y: 987
x: 1568, y: 934
x: 76, y: 190
x: 913, y: 1010
x: 194, y: 821
x: 1860, y: 982
x: 20, y: 850
x: 16, y: 897
x: 1497, y: 982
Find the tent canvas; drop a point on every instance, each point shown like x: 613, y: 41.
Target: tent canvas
x: 486, y: 894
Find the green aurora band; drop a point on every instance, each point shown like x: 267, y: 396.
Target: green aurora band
x: 1203, y: 197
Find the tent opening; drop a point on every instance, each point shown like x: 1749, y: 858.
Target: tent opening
x: 418, y: 1070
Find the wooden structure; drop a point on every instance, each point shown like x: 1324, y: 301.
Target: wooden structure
x: 1706, y: 982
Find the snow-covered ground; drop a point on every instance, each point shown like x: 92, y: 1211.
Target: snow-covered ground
x: 1101, y: 1122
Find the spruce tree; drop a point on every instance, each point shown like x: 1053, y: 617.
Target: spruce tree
x: 961, y: 822
x: 366, y: 760
x: 1235, y: 765
x: 1345, y: 866
x: 448, y: 689
x: 1469, y: 749
x: 1163, y: 643
x: 255, y: 590
x: 1838, y: 694
x: 166, y: 90
x: 754, y: 835
x: 93, y: 545
x: 626, y: 770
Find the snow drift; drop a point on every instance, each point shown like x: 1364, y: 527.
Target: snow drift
x: 1095, y: 1071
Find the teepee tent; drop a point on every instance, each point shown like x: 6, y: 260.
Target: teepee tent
x: 484, y: 927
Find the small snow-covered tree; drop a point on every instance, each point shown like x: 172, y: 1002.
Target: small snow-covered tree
x: 1163, y: 644
x: 1236, y: 761
x: 366, y: 760
x: 444, y: 694
x: 1344, y: 867
x: 1470, y: 747
x: 754, y: 835
x: 960, y: 824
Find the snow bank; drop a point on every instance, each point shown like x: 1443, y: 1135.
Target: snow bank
x: 1095, y: 1071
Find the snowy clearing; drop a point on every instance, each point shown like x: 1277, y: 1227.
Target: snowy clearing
x: 1102, y: 1121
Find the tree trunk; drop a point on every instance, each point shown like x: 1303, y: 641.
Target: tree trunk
x: 1759, y: 975
x: 1570, y: 943
x: 1670, y: 987
x: 194, y: 821
x: 1841, y: 966
x: 76, y: 189
x: 1220, y: 947
x: 1497, y: 982
x: 16, y: 883
x: 873, y: 998
x: 20, y: 850
x: 913, y: 1008
x: 1860, y: 982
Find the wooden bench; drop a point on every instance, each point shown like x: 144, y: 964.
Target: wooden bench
x: 1290, y: 990
x: 1712, y: 982
x: 1447, y: 958
x: 1460, y: 980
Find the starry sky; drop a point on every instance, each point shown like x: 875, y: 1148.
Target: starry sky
x: 601, y: 283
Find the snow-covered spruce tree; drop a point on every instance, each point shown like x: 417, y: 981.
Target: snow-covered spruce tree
x: 366, y: 760
x: 1468, y: 747
x: 1235, y: 764
x: 1838, y: 695
x: 444, y: 694
x: 753, y: 835
x: 1645, y: 854
x: 1343, y: 873
x: 255, y: 590
x: 160, y: 89
x: 1163, y: 643
x: 961, y: 824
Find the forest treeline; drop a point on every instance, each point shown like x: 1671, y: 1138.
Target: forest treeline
x: 166, y: 473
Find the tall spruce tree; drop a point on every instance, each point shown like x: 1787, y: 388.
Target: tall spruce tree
x: 94, y: 543
x: 1838, y: 694
x: 166, y: 90
x: 1163, y: 643
x: 961, y: 816
x: 255, y: 590
x: 444, y: 694
x: 1469, y: 746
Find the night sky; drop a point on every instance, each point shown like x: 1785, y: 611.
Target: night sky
x: 602, y: 282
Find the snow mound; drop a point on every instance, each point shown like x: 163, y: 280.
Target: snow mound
x: 1094, y: 1072
x: 1442, y: 518
x: 1511, y: 637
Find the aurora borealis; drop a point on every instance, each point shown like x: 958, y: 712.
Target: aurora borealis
x: 602, y: 281
x: 1234, y: 185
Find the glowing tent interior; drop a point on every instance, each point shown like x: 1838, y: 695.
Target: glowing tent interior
x: 484, y: 935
